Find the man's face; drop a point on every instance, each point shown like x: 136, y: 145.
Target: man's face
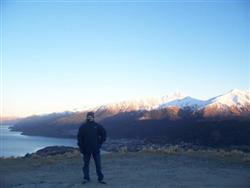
x: 90, y: 118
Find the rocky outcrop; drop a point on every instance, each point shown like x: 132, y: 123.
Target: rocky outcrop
x: 53, y: 150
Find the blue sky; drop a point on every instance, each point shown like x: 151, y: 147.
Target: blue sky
x: 64, y: 55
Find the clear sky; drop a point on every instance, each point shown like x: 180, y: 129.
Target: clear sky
x: 61, y: 55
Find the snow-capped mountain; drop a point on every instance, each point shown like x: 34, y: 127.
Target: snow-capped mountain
x: 234, y: 103
x: 139, y: 104
x: 184, y: 116
x: 184, y: 102
x: 235, y: 97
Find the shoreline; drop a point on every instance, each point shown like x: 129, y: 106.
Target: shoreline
x: 124, y: 145
x: 145, y: 142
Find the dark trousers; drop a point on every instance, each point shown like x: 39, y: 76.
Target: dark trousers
x: 97, y: 159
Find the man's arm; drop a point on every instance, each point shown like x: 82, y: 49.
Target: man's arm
x: 102, y: 134
x: 80, y: 138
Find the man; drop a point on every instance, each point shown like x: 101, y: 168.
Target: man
x: 91, y: 136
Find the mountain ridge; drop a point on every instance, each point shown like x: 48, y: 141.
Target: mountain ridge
x: 235, y: 101
x: 224, y: 119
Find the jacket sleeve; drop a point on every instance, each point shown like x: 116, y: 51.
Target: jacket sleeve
x: 80, y: 138
x: 102, y: 134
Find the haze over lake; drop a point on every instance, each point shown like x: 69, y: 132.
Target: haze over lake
x: 16, y: 144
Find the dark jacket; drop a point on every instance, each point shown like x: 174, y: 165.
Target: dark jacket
x: 90, y: 137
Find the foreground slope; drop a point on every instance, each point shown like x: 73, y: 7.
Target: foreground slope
x: 126, y: 170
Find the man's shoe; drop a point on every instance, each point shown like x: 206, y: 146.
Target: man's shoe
x: 85, y: 181
x: 102, y: 182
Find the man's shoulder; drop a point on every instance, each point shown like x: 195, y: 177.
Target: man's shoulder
x: 95, y: 124
x: 82, y: 126
x: 99, y: 126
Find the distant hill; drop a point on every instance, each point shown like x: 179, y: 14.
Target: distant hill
x: 9, y: 120
x: 221, y: 120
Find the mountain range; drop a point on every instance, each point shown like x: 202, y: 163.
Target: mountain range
x: 172, y: 118
x: 234, y: 104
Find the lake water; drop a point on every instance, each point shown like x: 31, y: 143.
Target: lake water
x: 15, y: 144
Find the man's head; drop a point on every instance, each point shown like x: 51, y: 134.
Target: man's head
x: 90, y: 116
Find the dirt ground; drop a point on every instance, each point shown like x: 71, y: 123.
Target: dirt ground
x: 126, y: 170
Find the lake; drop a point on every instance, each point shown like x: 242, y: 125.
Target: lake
x: 15, y: 144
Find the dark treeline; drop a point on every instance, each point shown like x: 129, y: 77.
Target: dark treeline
x: 211, y: 133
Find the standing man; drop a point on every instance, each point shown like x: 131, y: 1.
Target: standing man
x: 90, y: 137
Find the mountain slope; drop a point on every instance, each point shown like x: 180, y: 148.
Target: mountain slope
x: 235, y: 103
x: 139, y: 104
x: 220, y: 120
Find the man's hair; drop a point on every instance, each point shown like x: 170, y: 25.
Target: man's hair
x: 91, y: 114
